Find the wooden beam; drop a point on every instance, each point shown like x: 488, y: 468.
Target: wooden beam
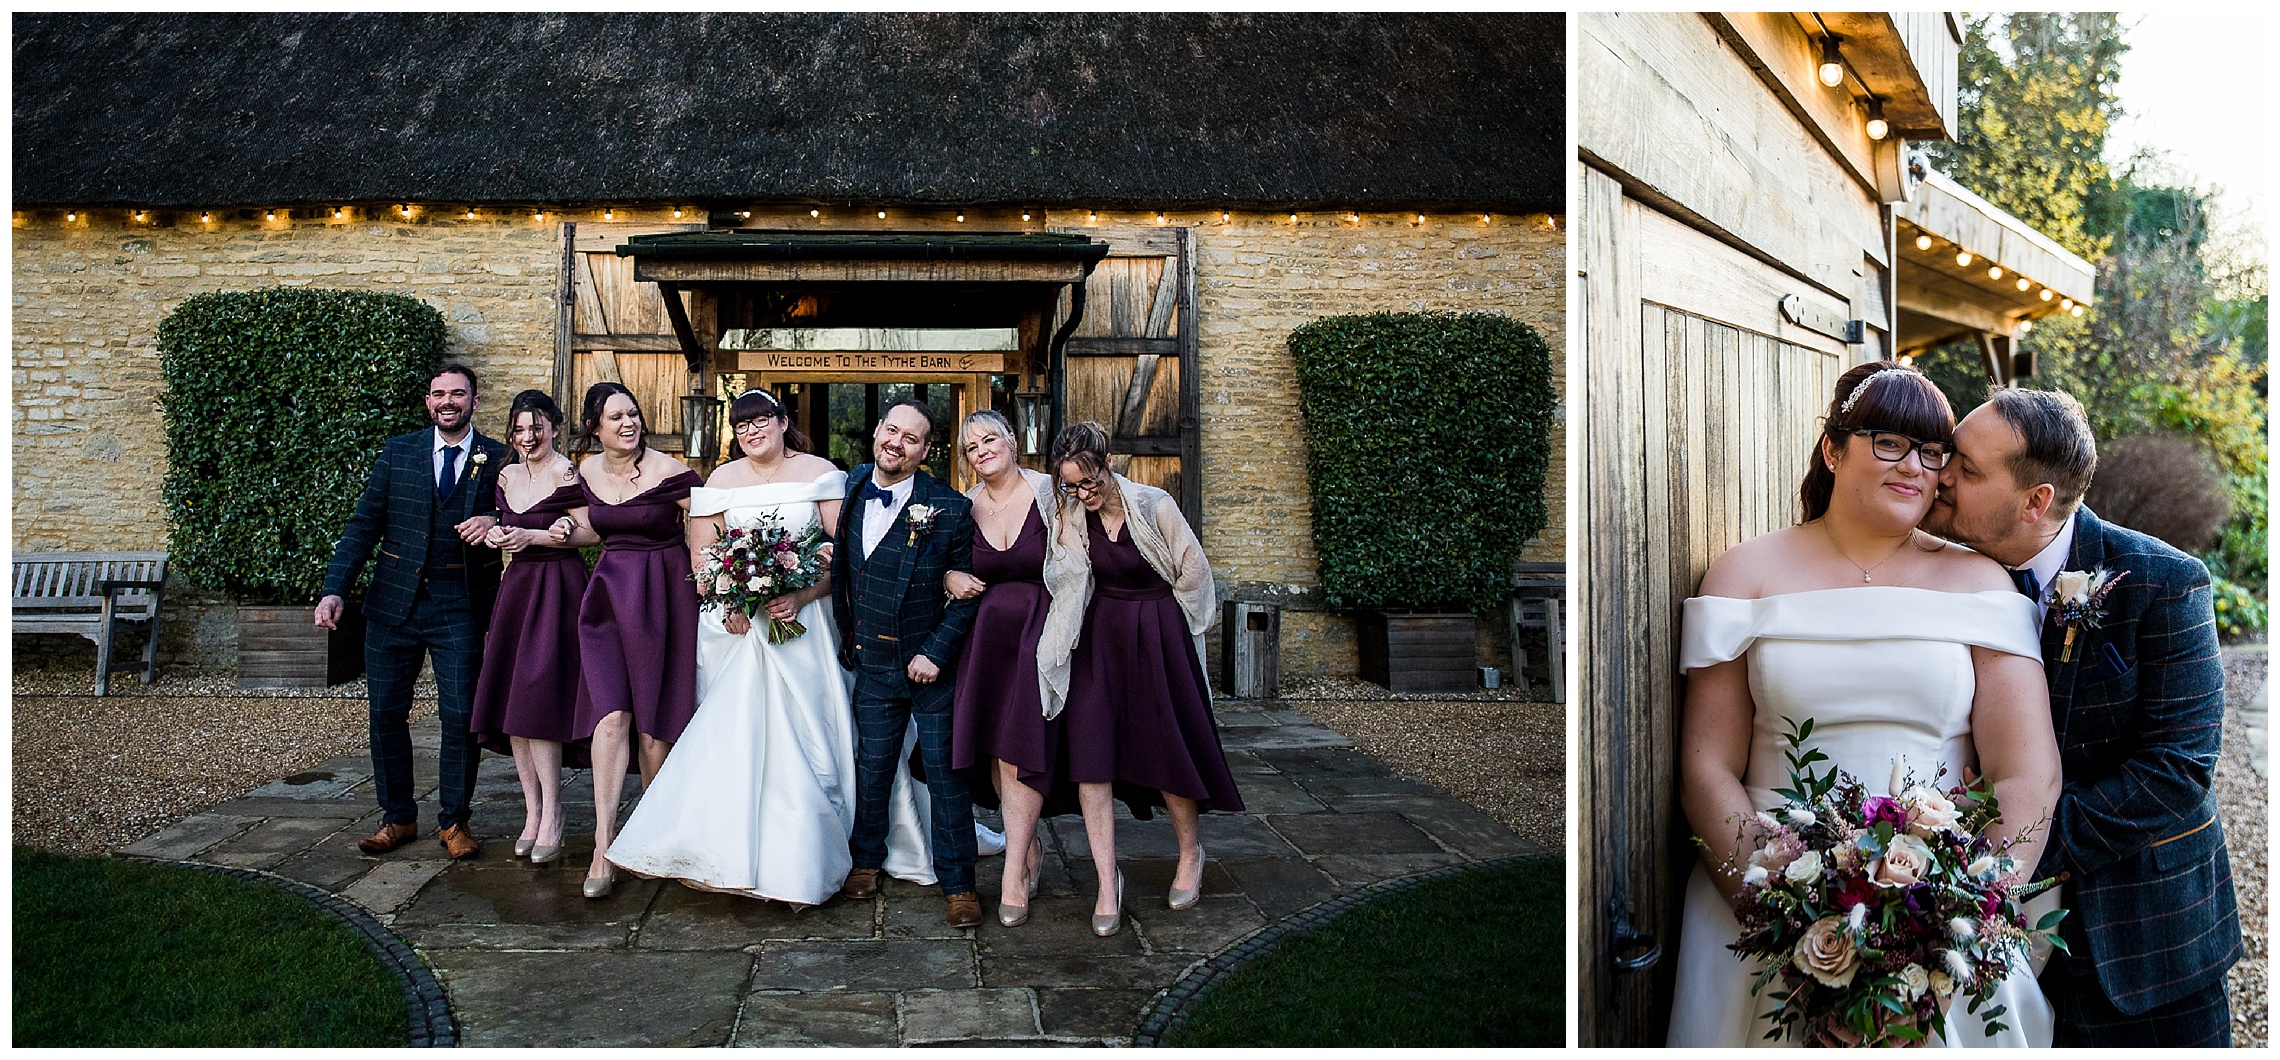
x: 1121, y: 346
x: 1160, y: 446
x: 565, y: 322
x: 627, y: 343
x: 679, y: 313
x: 858, y: 271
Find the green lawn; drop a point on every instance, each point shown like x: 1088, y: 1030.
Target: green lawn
x: 121, y: 953
x: 1474, y: 960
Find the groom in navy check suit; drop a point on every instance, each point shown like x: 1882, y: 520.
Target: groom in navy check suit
x: 426, y: 508
x: 899, y: 532
x: 2138, y: 707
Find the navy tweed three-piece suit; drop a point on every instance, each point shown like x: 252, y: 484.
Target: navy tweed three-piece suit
x: 2138, y: 711
x: 431, y: 593
x: 890, y: 609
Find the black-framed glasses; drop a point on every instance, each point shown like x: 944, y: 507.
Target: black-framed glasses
x: 749, y: 426
x: 1084, y: 487
x: 1892, y: 446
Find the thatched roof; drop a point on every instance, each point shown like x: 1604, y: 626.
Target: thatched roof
x: 1269, y: 110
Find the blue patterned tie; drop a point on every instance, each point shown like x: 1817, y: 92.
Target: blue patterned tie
x: 2028, y: 584
x: 447, y: 483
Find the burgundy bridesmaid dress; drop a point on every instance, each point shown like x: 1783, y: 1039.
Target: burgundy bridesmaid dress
x: 637, y: 626
x: 529, y: 683
x: 997, y: 713
x: 1138, y: 713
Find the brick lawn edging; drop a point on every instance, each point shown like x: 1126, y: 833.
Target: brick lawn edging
x: 427, y: 1011
x: 1156, y: 1024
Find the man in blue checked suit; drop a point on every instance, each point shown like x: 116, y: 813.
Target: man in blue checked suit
x: 2138, y: 707
x: 899, y: 532
x: 426, y: 508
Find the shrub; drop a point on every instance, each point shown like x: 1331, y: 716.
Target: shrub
x: 1428, y: 436
x: 276, y: 401
x: 2162, y: 485
x: 2240, y: 551
x: 2240, y: 615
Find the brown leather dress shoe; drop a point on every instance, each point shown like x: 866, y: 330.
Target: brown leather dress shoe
x: 389, y: 837
x: 861, y: 883
x: 458, y: 842
x: 965, y: 909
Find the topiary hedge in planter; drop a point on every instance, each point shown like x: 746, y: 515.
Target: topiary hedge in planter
x: 276, y: 402
x: 1428, y: 438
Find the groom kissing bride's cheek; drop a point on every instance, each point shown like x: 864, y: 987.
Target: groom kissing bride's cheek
x: 2069, y: 663
x: 2137, y: 703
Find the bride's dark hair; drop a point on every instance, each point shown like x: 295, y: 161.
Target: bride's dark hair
x: 1907, y: 404
x: 759, y: 404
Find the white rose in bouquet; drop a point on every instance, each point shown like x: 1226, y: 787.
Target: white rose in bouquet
x: 1929, y: 811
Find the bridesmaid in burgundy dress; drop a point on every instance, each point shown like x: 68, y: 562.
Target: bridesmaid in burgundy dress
x: 1138, y: 708
x: 637, y: 626
x: 998, y: 727
x: 530, y: 660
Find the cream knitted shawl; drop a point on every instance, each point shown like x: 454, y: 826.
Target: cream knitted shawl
x: 1162, y: 535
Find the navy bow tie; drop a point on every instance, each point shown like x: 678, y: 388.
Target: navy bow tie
x: 872, y: 492
x: 2027, y: 582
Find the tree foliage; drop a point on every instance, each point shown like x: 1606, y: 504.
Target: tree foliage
x: 1428, y: 436
x: 276, y: 402
x: 2176, y: 338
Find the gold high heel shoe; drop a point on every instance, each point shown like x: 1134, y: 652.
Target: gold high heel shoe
x: 1012, y: 915
x: 599, y: 886
x: 545, y: 855
x: 523, y: 846
x: 1105, y: 926
x: 1183, y: 898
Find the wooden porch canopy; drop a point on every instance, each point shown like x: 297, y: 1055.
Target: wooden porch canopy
x: 1046, y: 262
x: 1943, y: 298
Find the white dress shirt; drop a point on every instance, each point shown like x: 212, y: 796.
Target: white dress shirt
x: 877, y: 517
x: 466, y: 444
x: 2046, y: 565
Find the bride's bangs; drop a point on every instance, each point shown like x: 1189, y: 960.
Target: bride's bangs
x: 1909, y: 404
x: 753, y: 405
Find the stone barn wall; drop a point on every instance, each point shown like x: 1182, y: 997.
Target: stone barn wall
x: 89, y: 293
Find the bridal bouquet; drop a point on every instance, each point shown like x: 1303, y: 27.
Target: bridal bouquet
x: 1874, y: 911
x: 749, y: 566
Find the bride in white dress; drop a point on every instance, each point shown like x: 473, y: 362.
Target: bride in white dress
x: 1894, y: 643
x: 758, y: 797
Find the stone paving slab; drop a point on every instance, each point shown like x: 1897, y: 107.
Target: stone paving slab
x: 528, y: 961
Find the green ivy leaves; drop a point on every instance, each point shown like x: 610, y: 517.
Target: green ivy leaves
x: 275, y: 406
x: 1429, y: 435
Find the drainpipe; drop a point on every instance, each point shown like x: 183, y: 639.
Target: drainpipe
x: 1057, y: 357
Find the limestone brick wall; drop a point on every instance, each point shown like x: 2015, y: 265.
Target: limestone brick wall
x: 88, y: 446
x: 89, y: 293
x: 1258, y: 277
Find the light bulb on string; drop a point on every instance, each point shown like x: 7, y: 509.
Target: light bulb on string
x: 2024, y: 283
x: 1923, y: 242
x: 608, y: 214
x: 2046, y: 295
x: 961, y: 218
x: 269, y: 215
x: 1963, y: 259
x: 882, y: 215
x: 2077, y: 310
x: 2026, y: 326
x: 1025, y: 215
x: 2065, y: 303
x: 815, y: 213
x: 206, y: 216
x: 1832, y: 64
x: 1877, y: 128
x: 1994, y: 272
x: 676, y: 213
x: 70, y: 215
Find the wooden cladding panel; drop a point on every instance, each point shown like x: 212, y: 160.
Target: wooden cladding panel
x: 657, y: 380
x: 1696, y: 432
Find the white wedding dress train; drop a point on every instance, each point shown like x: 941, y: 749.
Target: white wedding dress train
x: 1883, y: 671
x: 758, y: 797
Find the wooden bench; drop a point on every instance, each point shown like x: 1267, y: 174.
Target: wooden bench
x: 1539, y: 602
x: 90, y: 594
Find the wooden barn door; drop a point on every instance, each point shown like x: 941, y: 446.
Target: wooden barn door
x: 1131, y: 363
x: 618, y: 330
x: 1701, y: 409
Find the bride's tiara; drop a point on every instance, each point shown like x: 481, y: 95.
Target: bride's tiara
x: 1873, y: 377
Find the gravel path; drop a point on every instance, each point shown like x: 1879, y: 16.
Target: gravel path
x: 1505, y: 755
x: 92, y: 775
x: 2243, y: 798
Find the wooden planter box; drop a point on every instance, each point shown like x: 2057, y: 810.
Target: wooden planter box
x: 1417, y: 652
x: 279, y: 647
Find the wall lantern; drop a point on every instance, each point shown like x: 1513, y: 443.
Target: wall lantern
x: 1031, y: 408
x: 700, y: 427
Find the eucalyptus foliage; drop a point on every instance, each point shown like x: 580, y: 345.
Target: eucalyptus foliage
x: 276, y: 403
x: 1428, y: 438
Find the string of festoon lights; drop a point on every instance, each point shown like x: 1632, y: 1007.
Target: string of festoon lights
x: 1965, y: 259
x: 211, y: 217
